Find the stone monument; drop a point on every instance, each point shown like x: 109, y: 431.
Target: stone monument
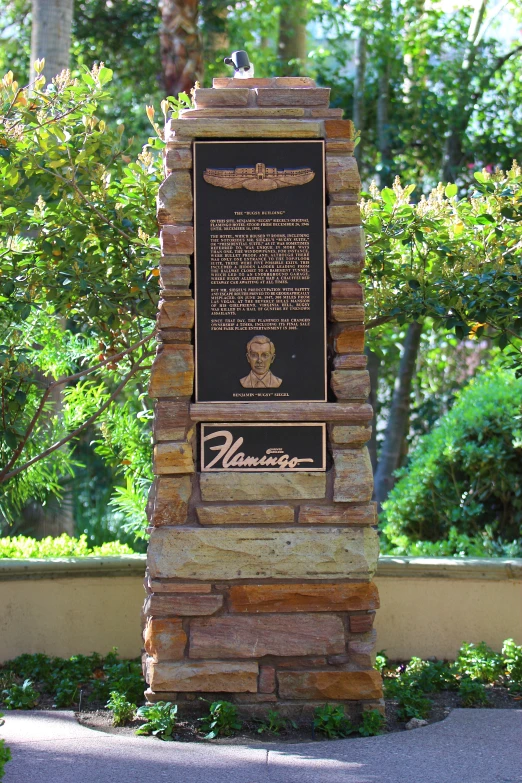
x: 262, y: 530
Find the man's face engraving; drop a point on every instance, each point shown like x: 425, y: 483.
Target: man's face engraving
x: 260, y: 356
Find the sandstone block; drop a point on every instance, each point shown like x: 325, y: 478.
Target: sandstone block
x: 172, y: 373
x: 174, y: 201
x: 353, y: 482
x: 342, y: 176
x: 345, y: 240
x: 333, y: 685
x: 172, y: 458
x: 343, y: 215
x: 329, y: 114
x: 346, y: 412
x: 350, y: 361
x: 177, y: 240
x: 262, y: 553
x: 336, y: 597
x: 347, y: 313
x: 364, y: 642
x: 338, y: 515
x: 273, y: 112
x: 255, y: 636
x: 176, y: 314
x: 361, y: 623
x: 208, y: 98
x: 340, y: 145
x: 262, y: 486
x: 345, y: 266
x: 350, y: 384
x: 164, y: 639
x: 175, y: 276
x: 339, y: 129
x: 180, y: 605
x: 267, y: 681
x: 350, y: 339
x: 168, y: 500
x: 293, y: 96
x: 245, y: 515
x: 174, y: 260
x: 171, y: 417
x: 244, y: 128
x: 178, y: 156
x: 205, y: 676
x: 177, y: 336
x: 348, y: 291
x: 277, y: 81
x: 160, y: 586
x: 350, y: 436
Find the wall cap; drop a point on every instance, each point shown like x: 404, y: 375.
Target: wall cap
x: 480, y: 568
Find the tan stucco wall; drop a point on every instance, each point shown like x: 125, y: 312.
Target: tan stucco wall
x: 420, y: 614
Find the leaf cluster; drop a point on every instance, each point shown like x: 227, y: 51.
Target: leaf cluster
x: 160, y: 717
x: 58, y: 546
x: 222, y: 720
x: 122, y: 709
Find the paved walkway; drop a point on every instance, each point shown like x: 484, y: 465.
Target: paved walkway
x: 470, y: 746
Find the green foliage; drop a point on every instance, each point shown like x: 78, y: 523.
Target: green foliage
x: 275, y: 723
x: 429, y: 676
x: 20, y: 697
x: 372, y: 723
x: 331, y: 721
x: 58, y: 546
x: 465, y: 475
x: 122, y: 709
x: 222, y: 720
x: 161, y: 719
x: 381, y: 661
x: 513, y: 661
x: 479, y: 662
x: 412, y: 704
x: 5, y: 756
x: 472, y: 693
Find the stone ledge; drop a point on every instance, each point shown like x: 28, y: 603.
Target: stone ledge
x: 349, y: 413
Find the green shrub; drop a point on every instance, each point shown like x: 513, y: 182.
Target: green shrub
x: 472, y: 693
x: 513, y: 664
x: 122, y: 710
x: 331, y: 721
x: 161, y: 719
x: 20, y: 697
x: 479, y: 662
x: 5, y: 756
x: 430, y: 676
x: 59, y: 546
x: 274, y: 724
x: 222, y: 720
x: 466, y: 474
x: 372, y: 724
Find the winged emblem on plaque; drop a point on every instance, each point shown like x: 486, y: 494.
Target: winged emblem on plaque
x: 258, y: 177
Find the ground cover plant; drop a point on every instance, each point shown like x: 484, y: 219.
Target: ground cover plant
x: 160, y: 718
x: 58, y: 546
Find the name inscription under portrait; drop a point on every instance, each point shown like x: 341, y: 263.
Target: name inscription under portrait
x: 281, y: 448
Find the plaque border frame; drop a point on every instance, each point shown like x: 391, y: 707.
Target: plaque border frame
x: 263, y: 424
x: 325, y: 270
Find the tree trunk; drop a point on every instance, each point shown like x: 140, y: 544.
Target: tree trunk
x: 398, y: 416
x: 359, y: 114
x: 374, y: 364
x: 292, y: 45
x: 180, y: 45
x: 51, y: 35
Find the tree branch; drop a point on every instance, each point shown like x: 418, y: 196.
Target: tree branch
x: 11, y: 474
x: 383, y: 319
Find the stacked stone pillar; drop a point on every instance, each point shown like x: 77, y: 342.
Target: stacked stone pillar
x: 259, y: 585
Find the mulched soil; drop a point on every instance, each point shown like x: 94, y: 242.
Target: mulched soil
x: 188, y: 731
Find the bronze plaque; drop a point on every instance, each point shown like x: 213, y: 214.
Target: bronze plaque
x: 260, y: 271
x: 283, y: 448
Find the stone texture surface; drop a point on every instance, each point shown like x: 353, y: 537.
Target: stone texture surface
x: 350, y: 436
x: 174, y: 260
x: 346, y: 412
x: 343, y: 215
x: 244, y: 128
x: 347, y: 291
x: 335, y: 597
x: 343, y: 266
x: 174, y: 200
x: 342, y: 177
x: 267, y: 680
x: 338, y: 515
x: 291, y: 96
x: 172, y: 458
x: 177, y: 240
x: 339, y: 129
x: 207, y: 98
x: 353, y: 482
x: 346, y: 313
x: 261, y: 553
x: 350, y: 384
x: 274, y: 81
x: 255, y: 636
x: 172, y: 373
x: 272, y: 112
x: 346, y: 240
x: 333, y: 685
x: 182, y: 605
x: 262, y: 486
x: 205, y: 676
x: 176, y: 314
x: 361, y: 623
x: 178, y: 156
x: 170, y: 416
x: 168, y: 500
x: 350, y: 362
x: 245, y: 515
x: 164, y: 586
x: 350, y: 339
x: 165, y: 639
x: 174, y: 276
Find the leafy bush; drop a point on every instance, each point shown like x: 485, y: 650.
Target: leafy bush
x: 466, y: 474
x: 372, y: 723
x: 122, y: 709
x: 161, y: 719
x: 479, y: 662
x: 472, y: 693
x: 331, y: 721
x: 429, y: 676
x: 222, y: 720
x: 20, y: 697
x: 59, y: 546
x: 513, y: 661
x: 5, y: 756
x: 274, y: 724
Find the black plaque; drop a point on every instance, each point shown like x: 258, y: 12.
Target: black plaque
x: 281, y: 448
x: 260, y: 271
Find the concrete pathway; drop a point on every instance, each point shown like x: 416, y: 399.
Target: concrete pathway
x: 470, y: 746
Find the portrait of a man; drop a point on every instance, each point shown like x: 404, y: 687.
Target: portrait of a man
x: 260, y: 355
